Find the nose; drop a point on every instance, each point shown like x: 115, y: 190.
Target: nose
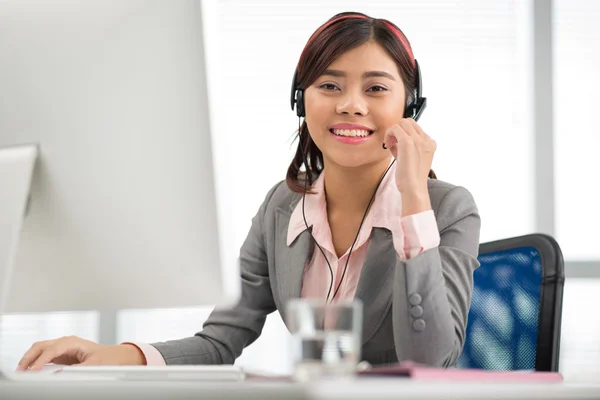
x: 352, y: 103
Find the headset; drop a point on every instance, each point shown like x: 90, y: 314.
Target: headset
x: 413, y: 109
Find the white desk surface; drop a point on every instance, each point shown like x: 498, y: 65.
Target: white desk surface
x: 386, y: 388
x: 365, y: 388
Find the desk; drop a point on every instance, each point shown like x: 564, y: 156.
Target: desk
x: 61, y: 390
x: 386, y: 388
x: 366, y: 388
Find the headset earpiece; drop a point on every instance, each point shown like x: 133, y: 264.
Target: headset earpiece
x: 416, y: 107
x: 297, y: 97
x: 300, y: 103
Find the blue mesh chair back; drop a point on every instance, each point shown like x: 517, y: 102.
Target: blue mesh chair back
x: 515, y: 315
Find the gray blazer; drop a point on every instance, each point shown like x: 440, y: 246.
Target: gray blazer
x: 414, y: 309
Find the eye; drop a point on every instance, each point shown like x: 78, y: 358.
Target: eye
x: 328, y: 86
x: 377, y: 88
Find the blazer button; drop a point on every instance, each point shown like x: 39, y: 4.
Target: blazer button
x: 419, y: 325
x: 414, y: 299
x: 416, y: 311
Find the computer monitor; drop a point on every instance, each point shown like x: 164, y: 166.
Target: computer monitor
x: 122, y: 206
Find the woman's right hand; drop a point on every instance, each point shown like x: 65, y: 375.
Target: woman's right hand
x: 72, y: 350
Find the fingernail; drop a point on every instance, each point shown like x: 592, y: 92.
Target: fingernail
x: 383, y: 145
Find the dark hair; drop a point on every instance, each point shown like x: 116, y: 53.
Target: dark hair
x: 341, y: 33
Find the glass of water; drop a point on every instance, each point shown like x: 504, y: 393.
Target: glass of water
x: 326, y: 337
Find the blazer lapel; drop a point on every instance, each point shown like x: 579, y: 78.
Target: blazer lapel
x: 376, y: 280
x: 290, y: 261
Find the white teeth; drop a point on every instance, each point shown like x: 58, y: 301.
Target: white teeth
x: 351, y: 132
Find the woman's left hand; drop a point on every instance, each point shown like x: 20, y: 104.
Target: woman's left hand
x: 413, y: 150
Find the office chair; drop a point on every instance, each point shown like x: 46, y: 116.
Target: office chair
x: 515, y: 315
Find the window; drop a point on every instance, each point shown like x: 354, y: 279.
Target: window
x: 576, y: 84
x: 577, y: 129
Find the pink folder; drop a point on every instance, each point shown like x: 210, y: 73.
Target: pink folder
x: 423, y: 373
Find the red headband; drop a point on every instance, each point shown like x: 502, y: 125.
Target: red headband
x: 404, y: 41
x: 390, y: 26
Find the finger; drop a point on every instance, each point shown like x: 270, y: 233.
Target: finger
x: 31, y: 355
x: 430, y: 143
x: 47, y: 356
x: 409, y: 127
x: 392, y: 136
x: 389, y: 144
x: 418, y: 128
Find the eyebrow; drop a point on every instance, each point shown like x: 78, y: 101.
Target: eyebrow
x: 368, y: 74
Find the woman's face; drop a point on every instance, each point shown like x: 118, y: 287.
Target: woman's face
x: 352, y: 104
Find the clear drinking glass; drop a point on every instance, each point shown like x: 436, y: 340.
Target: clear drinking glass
x: 326, y: 337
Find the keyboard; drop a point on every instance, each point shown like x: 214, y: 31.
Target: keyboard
x: 196, y: 373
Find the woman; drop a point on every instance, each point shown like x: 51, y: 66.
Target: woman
x: 382, y: 228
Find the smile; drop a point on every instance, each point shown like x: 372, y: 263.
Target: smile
x: 351, y: 133
x: 351, y: 136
